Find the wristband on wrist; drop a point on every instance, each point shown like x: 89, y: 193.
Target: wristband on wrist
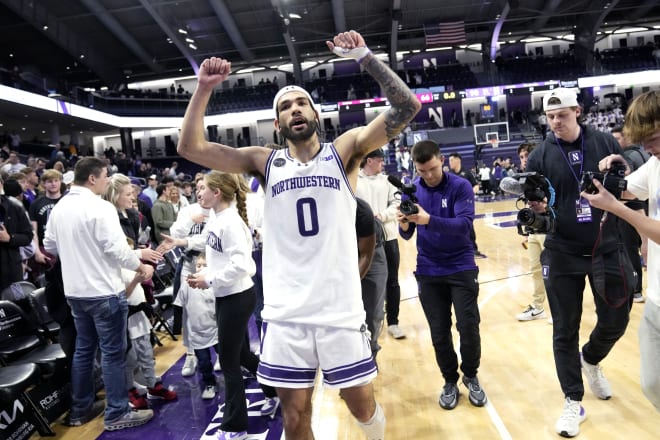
x: 357, y: 53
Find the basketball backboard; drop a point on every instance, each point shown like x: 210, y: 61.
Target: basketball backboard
x: 486, y: 133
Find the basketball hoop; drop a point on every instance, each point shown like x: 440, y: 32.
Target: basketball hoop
x: 494, y: 143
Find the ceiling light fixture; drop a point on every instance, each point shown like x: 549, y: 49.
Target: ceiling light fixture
x: 183, y: 31
x: 189, y: 40
x: 192, y: 46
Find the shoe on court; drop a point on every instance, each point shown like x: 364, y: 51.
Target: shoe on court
x: 97, y: 409
x: 597, y: 381
x: 227, y: 435
x: 638, y: 297
x: 478, y: 254
x: 476, y: 394
x: 531, y: 313
x: 137, y: 400
x: 189, y: 366
x: 216, y: 366
x: 568, y: 424
x: 209, y: 392
x: 449, y: 397
x: 161, y: 393
x: 270, y: 406
x: 135, y: 417
x: 395, y: 331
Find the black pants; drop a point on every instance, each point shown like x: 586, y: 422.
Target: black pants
x: 393, y: 290
x: 205, y: 365
x: 232, y: 315
x: 632, y: 241
x: 564, y: 278
x: 437, y: 294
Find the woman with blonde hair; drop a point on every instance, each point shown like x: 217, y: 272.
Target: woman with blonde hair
x: 228, y: 273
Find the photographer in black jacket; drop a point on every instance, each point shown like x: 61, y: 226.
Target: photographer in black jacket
x: 562, y: 157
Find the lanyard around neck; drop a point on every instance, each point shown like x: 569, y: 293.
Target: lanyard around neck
x: 565, y: 156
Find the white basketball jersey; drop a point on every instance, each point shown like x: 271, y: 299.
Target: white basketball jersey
x: 310, y: 259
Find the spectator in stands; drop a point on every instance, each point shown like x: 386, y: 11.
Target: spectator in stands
x: 656, y: 55
x: 15, y: 232
x: 51, y: 180
x: 175, y: 198
x: 163, y: 213
x: 150, y: 190
x: 84, y: 232
x: 30, y: 187
x: 13, y: 164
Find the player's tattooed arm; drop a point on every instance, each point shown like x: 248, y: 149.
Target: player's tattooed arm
x: 404, y: 103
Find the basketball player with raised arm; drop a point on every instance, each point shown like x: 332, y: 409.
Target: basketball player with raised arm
x: 313, y: 314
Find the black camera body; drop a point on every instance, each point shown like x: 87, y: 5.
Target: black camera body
x: 535, y: 188
x: 614, y: 180
x: 408, y: 206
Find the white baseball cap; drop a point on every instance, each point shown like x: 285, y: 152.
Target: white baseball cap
x: 286, y: 89
x: 566, y: 98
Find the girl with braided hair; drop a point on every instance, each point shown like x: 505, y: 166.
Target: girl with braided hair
x: 229, y: 270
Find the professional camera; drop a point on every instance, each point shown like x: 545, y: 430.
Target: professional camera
x: 407, y: 206
x: 532, y: 187
x: 613, y: 180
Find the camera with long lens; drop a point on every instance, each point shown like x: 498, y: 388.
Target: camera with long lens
x: 407, y: 206
x: 614, y: 180
x: 532, y: 187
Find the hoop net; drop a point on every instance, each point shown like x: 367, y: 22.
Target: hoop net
x: 494, y: 143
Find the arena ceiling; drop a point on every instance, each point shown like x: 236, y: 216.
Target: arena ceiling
x: 93, y: 43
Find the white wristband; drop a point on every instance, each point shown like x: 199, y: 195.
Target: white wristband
x: 357, y: 53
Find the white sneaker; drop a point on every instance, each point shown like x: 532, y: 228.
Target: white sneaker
x: 395, y: 331
x: 597, y: 381
x: 209, y: 392
x: 531, y: 313
x: 216, y: 366
x: 270, y: 406
x: 189, y: 366
x: 568, y: 424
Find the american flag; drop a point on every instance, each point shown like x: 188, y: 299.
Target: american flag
x: 444, y: 34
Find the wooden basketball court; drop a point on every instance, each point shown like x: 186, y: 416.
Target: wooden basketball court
x: 517, y: 367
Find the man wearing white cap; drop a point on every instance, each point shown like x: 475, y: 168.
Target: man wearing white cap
x: 313, y: 314
x: 568, y: 151
x: 150, y: 190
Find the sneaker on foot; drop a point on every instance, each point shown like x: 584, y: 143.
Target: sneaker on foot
x: 216, y: 366
x: 568, y: 424
x: 638, y: 297
x: 597, y: 381
x: 395, y: 331
x: 478, y: 254
x: 189, y: 366
x: 449, y: 397
x: 160, y: 392
x: 97, y: 409
x: 531, y: 313
x: 270, y: 406
x: 476, y: 394
x: 209, y: 392
x: 132, y: 418
x: 137, y: 400
x: 228, y: 435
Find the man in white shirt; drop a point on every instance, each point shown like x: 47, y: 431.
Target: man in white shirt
x: 84, y: 231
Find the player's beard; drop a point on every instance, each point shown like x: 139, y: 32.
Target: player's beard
x: 295, y: 136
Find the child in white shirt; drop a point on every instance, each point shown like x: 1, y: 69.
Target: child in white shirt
x: 201, y: 327
x: 140, y: 355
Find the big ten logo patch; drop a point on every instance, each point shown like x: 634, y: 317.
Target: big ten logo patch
x: 259, y: 427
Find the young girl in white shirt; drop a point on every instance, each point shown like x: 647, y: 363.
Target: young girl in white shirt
x: 229, y: 270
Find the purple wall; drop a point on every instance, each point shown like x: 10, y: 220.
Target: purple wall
x: 344, y: 68
x: 349, y: 118
x: 517, y: 102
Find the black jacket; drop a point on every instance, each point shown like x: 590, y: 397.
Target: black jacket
x: 18, y: 226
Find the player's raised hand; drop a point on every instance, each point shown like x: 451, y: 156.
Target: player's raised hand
x: 213, y: 71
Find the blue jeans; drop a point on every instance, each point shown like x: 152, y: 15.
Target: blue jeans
x: 100, y: 323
